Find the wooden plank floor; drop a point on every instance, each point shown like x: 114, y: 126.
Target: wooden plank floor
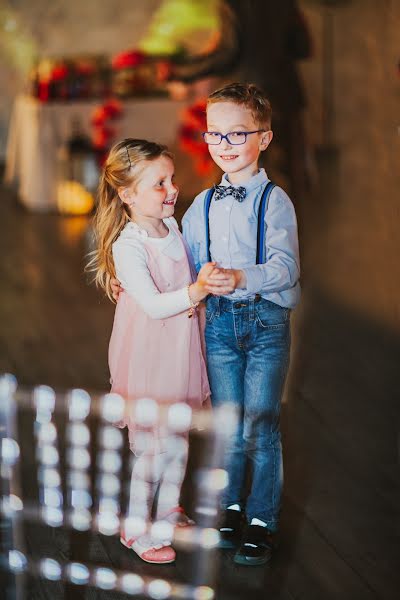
x: 340, y: 519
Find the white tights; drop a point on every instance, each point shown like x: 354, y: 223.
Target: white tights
x: 159, y: 468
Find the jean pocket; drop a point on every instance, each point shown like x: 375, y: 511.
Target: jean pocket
x: 270, y: 318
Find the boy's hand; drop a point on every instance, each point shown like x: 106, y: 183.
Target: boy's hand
x: 116, y: 288
x: 225, y: 281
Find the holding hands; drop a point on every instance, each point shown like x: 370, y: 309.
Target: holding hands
x: 210, y: 280
x: 224, y: 281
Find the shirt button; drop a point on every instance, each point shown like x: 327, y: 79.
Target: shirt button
x: 224, y: 239
x: 227, y: 208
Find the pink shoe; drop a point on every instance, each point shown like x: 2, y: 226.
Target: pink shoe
x: 149, y: 550
x: 177, y: 516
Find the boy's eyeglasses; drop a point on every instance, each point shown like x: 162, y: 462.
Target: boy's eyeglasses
x: 234, y: 138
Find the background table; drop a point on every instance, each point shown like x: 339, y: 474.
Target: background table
x: 38, y: 130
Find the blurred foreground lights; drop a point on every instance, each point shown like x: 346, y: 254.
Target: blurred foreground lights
x: 78, y: 480
x: 214, y: 479
x: 110, y: 438
x: 109, y: 461
x: 50, y: 569
x: 209, y: 538
x: 81, y: 499
x: 78, y: 458
x: 225, y: 419
x: 9, y: 451
x: 8, y: 384
x: 78, y: 573
x: 52, y: 497
x: 132, y: 584
x: 11, y: 504
x: 109, y: 505
x: 44, y: 399
x: 203, y: 592
x: 47, y: 455
x: 17, y: 561
x: 78, y: 434
x: 78, y: 404
x: 49, y: 477
x: 162, y: 531
x: 179, y: 417
x: 159, y: 589
x: 134, y: 527
x: 81, y: 519
x: 146, y: 412
x: 105, y: 579
x: 109, y: 485
x: 112, y: 408
x: 47, y: 433
x: 52, y: 516
x: 108, y: 523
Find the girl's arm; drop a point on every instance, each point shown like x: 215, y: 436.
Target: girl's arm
x: 130, y: 260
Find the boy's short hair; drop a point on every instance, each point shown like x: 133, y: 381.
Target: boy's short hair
x: 248, y: 95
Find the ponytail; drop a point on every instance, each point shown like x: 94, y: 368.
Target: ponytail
x: 121, y: 170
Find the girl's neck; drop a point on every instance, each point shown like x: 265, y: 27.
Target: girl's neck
x: 155, y: 228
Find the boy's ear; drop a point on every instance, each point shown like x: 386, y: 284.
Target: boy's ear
x: 266, y: 140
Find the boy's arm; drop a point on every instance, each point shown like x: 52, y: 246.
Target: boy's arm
x: 281, y: 271
x: 193, y: 228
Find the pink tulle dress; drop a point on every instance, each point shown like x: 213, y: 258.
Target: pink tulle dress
x: 161, y: 359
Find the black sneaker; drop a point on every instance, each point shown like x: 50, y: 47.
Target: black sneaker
x: 256, y: 547
x: 230, y: 529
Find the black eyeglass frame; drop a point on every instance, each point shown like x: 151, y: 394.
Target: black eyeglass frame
x: 226, y: 137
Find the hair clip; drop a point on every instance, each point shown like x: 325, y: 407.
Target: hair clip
x: 129, y: 158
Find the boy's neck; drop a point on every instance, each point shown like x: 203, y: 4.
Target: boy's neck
x: 242, y: 176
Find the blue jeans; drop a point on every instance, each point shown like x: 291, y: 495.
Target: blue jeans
x: 247, y: 343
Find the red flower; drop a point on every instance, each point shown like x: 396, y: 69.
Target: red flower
x: 189, y: 135
x: 43, y: 91
x: 59, y: 73
x: 99, y: 116
x: 112, y: 108
x: 103, y: 136
x: 128, y: 59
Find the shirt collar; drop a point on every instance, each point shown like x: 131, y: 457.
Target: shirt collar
x: 254, y: 182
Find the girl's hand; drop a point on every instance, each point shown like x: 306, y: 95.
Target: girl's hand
x: 197, y: 290
x: 116, y: 288
x: 205, y: 273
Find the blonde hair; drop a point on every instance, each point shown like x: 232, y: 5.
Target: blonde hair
x: 248, y: 95
x: 123, y: 167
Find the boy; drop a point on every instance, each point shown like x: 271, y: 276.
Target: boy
x: 247, y: 315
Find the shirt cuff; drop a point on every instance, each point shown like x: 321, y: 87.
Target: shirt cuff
x: 254, y: 279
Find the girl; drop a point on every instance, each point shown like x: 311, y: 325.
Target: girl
x: 156, y: 346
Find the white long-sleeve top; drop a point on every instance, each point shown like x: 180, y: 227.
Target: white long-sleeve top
x: 131, y: 268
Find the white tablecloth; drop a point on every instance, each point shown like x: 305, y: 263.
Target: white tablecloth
x: 38, y: 130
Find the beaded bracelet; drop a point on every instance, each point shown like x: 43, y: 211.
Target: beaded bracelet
x: 193, y: 305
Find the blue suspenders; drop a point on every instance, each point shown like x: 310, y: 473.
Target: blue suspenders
x: 260, y: 257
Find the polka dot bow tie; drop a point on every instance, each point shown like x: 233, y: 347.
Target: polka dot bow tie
x: 239, y: 193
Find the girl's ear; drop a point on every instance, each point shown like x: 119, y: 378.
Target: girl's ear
x: 124, y: 194
x: 266, y: 140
